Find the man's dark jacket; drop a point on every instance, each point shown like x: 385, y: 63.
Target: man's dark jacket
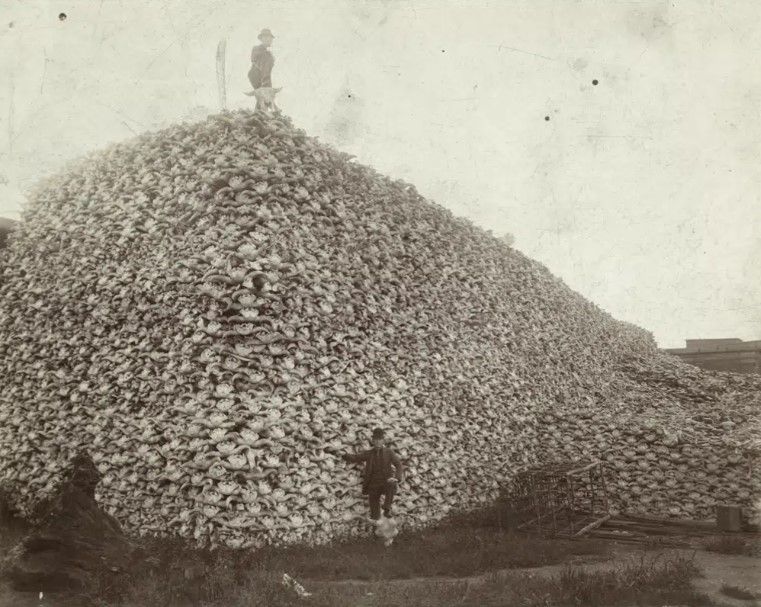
x: 380, y: 465
x: 262, y: 63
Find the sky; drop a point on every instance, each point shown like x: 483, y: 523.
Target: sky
x: 641, y: 192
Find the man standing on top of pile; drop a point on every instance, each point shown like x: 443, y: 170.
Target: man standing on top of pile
x: 383, y: 471
x: 262, y: 62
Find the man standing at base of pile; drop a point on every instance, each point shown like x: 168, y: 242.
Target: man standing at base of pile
x: 383, y: 471
x: 262, y: 62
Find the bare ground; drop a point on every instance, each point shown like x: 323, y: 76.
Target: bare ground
x: 719, y: 570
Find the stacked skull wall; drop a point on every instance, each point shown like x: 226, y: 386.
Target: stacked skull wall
x: 218, y: 310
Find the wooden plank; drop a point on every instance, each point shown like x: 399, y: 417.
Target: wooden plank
x: 596, y: 533
x: 655, y: 528
x: 615, y: 536
x: 613, y: 521
x: 667, y: 521
x: 542, y: 516
x: 592, y: 525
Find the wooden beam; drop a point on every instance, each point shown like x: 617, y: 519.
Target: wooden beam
x: 592, y: 525
x: 221, y: 81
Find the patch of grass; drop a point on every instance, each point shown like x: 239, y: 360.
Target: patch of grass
x: 12, y: 531
x: 646, y: 581
x: 457, y: 547
x: 423, y: 593
x: 175, y: 575
x: 651, y: 581
x: 739, y: 593
x: 173, y: 572
x: 259, y: 590
x: 734, y: 544
x: 452, y: 549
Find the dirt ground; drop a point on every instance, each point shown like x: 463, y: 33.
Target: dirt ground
x: 718, y: 570
x: 741, y: 572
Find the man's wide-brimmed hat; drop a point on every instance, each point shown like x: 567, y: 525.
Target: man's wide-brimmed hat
x: 265, y: 33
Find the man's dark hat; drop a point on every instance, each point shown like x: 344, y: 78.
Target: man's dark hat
x: 378, y: 433
x: 265, y: 33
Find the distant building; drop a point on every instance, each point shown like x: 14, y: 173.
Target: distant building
x: 730, y: 354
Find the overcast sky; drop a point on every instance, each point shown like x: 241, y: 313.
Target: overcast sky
x: 641, y: 192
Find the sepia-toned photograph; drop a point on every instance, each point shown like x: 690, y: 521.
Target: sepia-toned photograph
x: 380, y: 303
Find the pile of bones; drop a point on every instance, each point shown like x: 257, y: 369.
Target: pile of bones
x: 219, y: 310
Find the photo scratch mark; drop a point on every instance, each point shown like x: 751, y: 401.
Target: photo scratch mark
x: 619, y: 137
x: 44, y: 69
x: 517, y: 50
x: 11, y: 109
x: 123, y: 117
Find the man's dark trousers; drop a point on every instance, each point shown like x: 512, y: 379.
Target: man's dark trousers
x: 374, y: 493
